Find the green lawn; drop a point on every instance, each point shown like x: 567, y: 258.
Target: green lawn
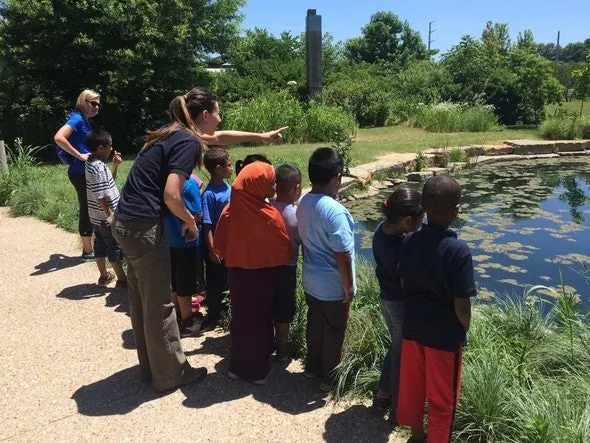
x: 374, y: 142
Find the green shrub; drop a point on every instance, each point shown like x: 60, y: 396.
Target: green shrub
x: 452, y: 117
x: 457, y: 155
x: 401, y: 111
x: 315, y: 123
x: 585, y: 129
x: 562, y: 125
x: 366, y: 97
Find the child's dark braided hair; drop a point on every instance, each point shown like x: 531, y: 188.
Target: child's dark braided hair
x: 250, y: 159
x: 403, y: 202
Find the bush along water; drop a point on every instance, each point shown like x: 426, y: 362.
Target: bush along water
x: 526, y: 369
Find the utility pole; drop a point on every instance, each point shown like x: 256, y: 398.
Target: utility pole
x: 313, y: 40
x: 557, y: 49
x: 430, y: 31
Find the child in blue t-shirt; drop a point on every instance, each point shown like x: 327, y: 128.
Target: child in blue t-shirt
x: 326, y: 229
x: 215, y: 198
x: 403, y: 213
x: 184, y: 256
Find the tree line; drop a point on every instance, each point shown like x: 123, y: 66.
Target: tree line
x: 140, y: 53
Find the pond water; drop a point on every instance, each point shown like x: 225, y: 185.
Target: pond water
x: 527, y: 223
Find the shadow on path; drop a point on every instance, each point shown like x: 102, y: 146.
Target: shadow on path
x: 358, y: 423
x: 288, y: 392
x: 115, y: 298
x: 117, y: 394
x: 56, y: 262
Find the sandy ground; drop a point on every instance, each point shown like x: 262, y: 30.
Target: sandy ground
x: 68, y: 370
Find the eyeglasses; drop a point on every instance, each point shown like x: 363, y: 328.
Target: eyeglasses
x: 94, y: 104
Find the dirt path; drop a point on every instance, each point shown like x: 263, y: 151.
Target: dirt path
x: 68, y: 369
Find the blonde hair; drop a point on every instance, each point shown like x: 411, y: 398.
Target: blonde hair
x: 183, y: 110
x: 86, y: 94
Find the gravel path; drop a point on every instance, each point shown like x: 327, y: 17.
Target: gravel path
x: 68, y: 370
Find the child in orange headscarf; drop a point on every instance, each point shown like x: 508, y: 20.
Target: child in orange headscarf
x: 252, y: 238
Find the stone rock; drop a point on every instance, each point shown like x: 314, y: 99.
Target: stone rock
x: 456, y: 166
x: 571, y: 145
x: 398, y: 181
x: 379, y: 185
x: 531, y: 147
x: 419, y: 176
x: 573, y: 154
x: 437, y: 171
x: 502, y: 149
x: 474, y: 151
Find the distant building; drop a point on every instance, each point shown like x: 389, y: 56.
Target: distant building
x: 217, y: 67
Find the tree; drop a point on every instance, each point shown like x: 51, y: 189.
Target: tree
x: 496, y: 40
x: 469, y: 67
x: 582, y: 76
x: 138, y: 54
x: 535, y: 84
x: 386, y: 39
x: 526, y: 41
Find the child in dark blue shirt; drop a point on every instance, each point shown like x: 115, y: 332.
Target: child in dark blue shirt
x: 437, y: 277
x: 403, y: 213
x: 215, y: 198
x: 184, y: 256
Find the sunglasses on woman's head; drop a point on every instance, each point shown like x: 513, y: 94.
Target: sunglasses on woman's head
x: 94, y: 104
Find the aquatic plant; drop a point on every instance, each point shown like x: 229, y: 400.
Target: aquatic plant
x: 525, y: 369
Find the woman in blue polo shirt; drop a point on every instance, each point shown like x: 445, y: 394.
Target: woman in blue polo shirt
x: 72, y: 150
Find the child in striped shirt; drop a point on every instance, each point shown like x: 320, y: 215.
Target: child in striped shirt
x: 103, y: 197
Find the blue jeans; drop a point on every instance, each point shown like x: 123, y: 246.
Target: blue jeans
x: 393, y: 314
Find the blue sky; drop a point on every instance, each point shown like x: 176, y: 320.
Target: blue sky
x: 345, y: 18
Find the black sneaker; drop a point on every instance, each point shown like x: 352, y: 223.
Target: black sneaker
x: 283, y: 353
x: 190, y: 327
x: 191, y: 376
x: 208, y: 325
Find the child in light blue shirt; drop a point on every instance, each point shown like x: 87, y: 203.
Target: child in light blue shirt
x: 326, y: 229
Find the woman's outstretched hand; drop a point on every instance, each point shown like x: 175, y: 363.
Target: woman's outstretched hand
x: 275, y: 136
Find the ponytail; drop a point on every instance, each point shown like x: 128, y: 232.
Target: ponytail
x: 183, y: 111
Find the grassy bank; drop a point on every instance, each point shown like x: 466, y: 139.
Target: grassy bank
x: 45, y: 192
x: 526, y: 373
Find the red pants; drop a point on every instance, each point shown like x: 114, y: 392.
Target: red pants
x: 431, y: 375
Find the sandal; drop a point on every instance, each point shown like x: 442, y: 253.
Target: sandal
x: 105, y: 280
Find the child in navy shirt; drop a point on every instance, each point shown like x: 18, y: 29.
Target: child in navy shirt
x: 184, y: 256
x: 437, y: 277
x: 215, y: 198
x: 403, y: 213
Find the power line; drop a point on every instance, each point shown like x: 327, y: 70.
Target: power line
x: 430, y: 32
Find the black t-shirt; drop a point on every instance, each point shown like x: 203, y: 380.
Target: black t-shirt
x: 142, y: 195
x: 435, y: 268
x: 387, y: 251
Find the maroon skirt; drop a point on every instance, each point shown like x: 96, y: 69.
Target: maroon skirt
x: 252, y: 338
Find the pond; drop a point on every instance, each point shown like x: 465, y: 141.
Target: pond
x: 527, y: 223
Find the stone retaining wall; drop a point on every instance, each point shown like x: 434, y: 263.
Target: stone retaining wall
x: 402, y: 163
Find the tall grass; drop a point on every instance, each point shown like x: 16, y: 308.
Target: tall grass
x: 526, y: 369
x: 564, y: 124
x: 42, y: 192
x: 310, y: 123
x: 453, y: 117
